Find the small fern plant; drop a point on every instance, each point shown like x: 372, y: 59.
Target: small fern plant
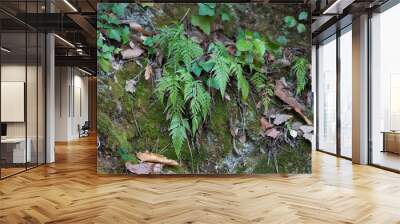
x: 187, y: 101
x: 226, y: 66
x: 264, y: 88
x: 300, y: 69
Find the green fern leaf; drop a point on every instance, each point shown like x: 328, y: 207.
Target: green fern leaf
x: 300, y: 69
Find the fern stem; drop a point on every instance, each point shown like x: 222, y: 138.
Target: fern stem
x: 191, y: 155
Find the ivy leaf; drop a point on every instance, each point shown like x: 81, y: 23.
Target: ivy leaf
x: 301, y: 28
x: 207, y: 66
x: 114, y: 35
x: 119, y: 8
x: 203, y: 22
x: 290, y: 21
x: 105, y: 65
x: 100, y: 42
x: 282, y: 40
x: 225, y: 17
x: 125, y: 35
x: 244, y: 45
x: 259, y: 46
x: 149, y: 41
x: 303, y: 15
x: 107, y: 56
x: 196, y: 69
x: 206, y: 10
x: 105, y: 48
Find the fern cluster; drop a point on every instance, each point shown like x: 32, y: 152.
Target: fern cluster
x: 178, y: 47
x: 185, y: 98
x: 225, y: 66
x: 300, y: 69
x: 262, y: 86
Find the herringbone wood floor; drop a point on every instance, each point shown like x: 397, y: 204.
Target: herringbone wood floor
x: 70, y: 191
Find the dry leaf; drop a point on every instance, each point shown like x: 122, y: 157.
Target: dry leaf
x: 144, y: 168
x: 281, y: 118
x: 273, y: 133
x: 265, y: 124
x: 227, y: 97
x: 131, y: 44
x: 132, y: 53
x: 135, y: 26
x: 306, y: 129
x: 155, y: 158
x: 286, y: 97
x: 148, y: 73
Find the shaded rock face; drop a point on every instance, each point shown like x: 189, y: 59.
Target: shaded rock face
x: 130, y: 117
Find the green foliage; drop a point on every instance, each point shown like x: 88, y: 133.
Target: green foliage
x: 251, y: 48
x: 303, y: 15
x: 207, y: 9
x: 300, y: 69
x: 224, y: 66
x: 208, y: 14
x: 262, y: 86
x: 126, y: 156
x: 177, y: 46
x: 203, y: 22
x: 291, y: 21
x: 185, y: 97
x: 109, y: 28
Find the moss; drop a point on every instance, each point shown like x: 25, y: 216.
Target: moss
x: 116, y: 136
x: 219, y: 126
x: 289, y: 160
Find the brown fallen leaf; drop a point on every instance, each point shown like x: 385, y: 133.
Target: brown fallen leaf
x: 135, y: 26
x: 265, y: 124
x: 148, y: 73
x: 155, y: 158
x: 132, y: 53
x: 273, y: 133
x: 131, y: 44
x: 286, y: 97
x: 144, y: 168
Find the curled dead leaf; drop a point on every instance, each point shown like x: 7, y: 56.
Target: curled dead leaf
x: 265, y: 124
x: 135, y: 26
x: 155, y: 158
x: 273, y: 133
x: 286, y: 97
x: 132, y: 53
x: 148, y: 72
x: 144, y: 168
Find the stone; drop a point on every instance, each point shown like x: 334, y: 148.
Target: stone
x: 281, y: 118
x: 130, y: 86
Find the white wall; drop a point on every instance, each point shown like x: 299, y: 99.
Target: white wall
x: 71, y: 102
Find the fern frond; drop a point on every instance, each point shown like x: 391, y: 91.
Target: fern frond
x: 221, y: 73
x: 242, y: 83
x: 300, y: 69
x: 177, y: 131
x: 259, y: 81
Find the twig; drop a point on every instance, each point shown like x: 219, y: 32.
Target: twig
x: 184, y: 16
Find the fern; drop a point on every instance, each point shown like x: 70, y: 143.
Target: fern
x: 224, y: 66
x: 199, y: 101
x: 177, y: 131
x: 300, y: 69
x: 260, y: 82
x: 186, y: 97
x: 178, y: 47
